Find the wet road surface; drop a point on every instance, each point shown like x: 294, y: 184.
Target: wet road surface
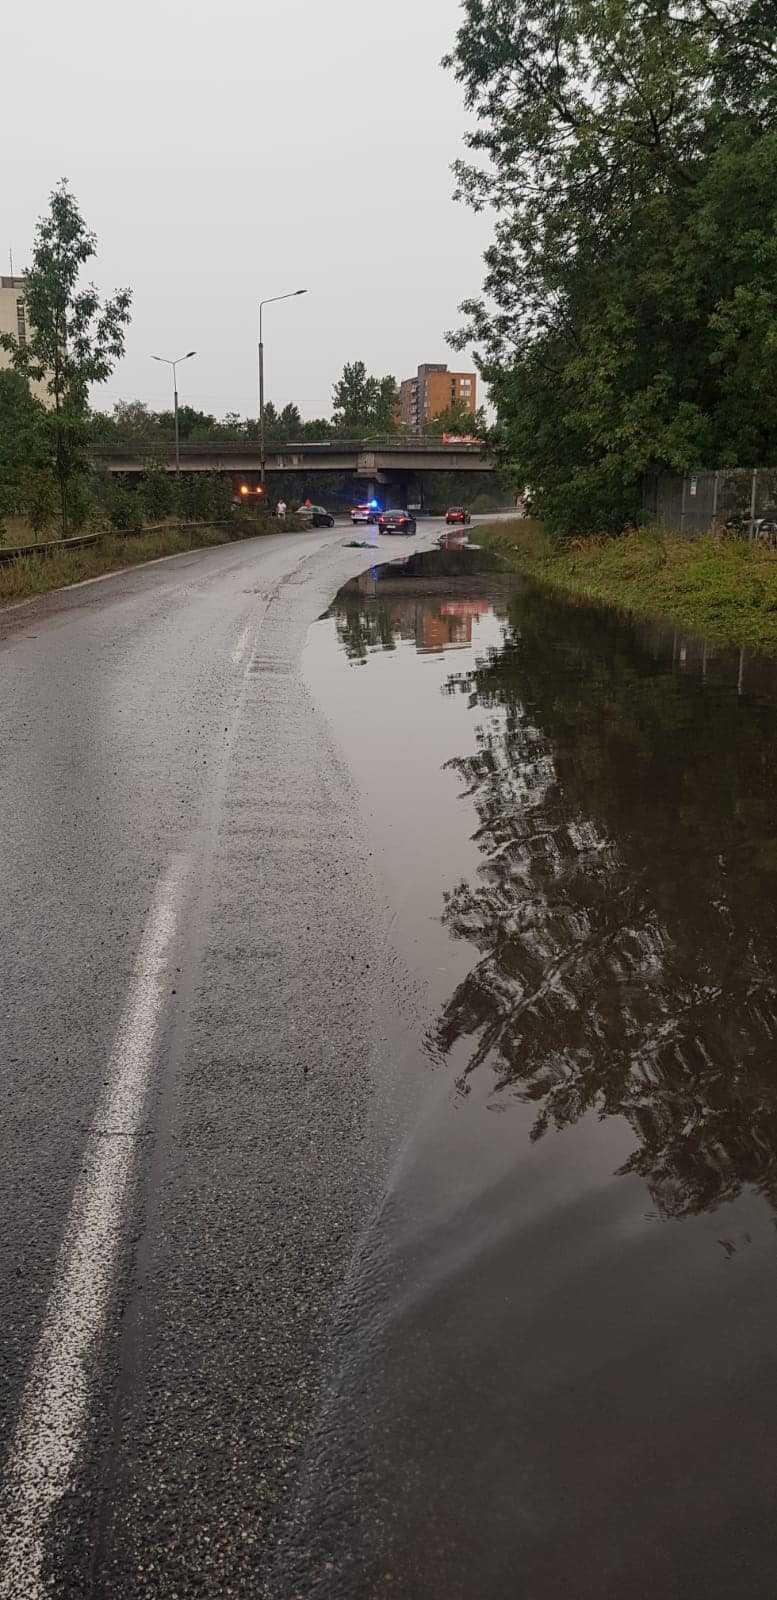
x: 389, y: 1158
x: 187, y: 992
x: 563, y: 1377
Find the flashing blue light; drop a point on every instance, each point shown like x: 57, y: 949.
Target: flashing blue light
x: 373, y: 505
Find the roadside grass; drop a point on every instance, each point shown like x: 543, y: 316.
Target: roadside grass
x: 721, y: 588
x: 34, y: 574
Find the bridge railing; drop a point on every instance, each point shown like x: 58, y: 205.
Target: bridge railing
x: 236, y: 445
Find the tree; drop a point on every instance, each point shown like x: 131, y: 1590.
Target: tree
x: 192, y: 424
x: 22, y: 442
x: 631, y: 311
x: 232, y: 423
x: 364, y: 405
x: 158, y: 493
x: 281, y: 426
x: 290, y: 422
x: 316, y: 428
x: 133, y: 419
x: 73, y: 341
x: 460, y: 420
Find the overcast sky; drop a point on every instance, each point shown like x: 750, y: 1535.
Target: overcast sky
x: 228, y: 150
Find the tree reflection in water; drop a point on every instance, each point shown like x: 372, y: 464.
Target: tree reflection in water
x: 624, y: 912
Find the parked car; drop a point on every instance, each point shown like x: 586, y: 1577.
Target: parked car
x: 457, y: 514
x: 317, y: 516
x: 762, y: 529
x: 396, y: 522
x: 369, y: 512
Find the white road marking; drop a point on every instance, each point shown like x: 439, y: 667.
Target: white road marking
x: 55, y: 1408
x: 242, y: 646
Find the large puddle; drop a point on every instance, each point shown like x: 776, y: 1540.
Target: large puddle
x: 563, y: 1377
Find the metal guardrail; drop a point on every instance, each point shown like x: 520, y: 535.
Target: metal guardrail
x: 224, y: 445
x: 49, y: 547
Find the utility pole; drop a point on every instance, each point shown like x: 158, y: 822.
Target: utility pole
x: 174, y: 364
x: 262, y: 303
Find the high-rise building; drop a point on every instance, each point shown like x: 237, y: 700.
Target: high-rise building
x: 14, y: 319
x: 13, y: 313
x: 433, y: 391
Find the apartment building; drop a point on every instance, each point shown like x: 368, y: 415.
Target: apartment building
x: 433, y: 391
x: 14, y: 319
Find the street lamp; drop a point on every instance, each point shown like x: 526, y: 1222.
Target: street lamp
x: 168, y: 363
x: 262, y: 303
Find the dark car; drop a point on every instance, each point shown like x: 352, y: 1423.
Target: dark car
x: 317, y: 516
x: 396, y: 522
x: 457, y: 514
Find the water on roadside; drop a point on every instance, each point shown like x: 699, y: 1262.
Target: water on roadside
x: 559, y: 1376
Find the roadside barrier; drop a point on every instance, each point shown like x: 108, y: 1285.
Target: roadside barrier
x: 17, y: 552
x: 52, y: 547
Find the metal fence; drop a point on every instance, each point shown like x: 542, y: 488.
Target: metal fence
x: 231, y: 444
x: 702, y: 501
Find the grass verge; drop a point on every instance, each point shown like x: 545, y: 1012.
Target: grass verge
x: 34, y: 574
x: 723, y: 589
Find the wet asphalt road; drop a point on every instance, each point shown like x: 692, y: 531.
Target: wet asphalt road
x: 187, y: 907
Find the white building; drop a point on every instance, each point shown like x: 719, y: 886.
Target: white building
x: 13, y: 319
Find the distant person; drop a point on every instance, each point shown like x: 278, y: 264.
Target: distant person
x: 280, y: 509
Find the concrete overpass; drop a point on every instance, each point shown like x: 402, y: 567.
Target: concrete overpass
x: 388, y: 461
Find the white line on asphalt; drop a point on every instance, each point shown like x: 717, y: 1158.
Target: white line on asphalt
x: 239, y: 652
x: 55, y: 1408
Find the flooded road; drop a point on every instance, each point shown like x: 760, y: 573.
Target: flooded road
x: 557, y: 1370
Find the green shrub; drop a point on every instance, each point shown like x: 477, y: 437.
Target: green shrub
x: 40, y: 500
x: 126, y: 509
x: 158, y: 494
x: 202, y: 497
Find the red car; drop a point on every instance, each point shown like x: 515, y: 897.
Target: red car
x: 457, y: 514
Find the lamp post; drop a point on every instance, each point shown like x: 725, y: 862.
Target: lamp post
x: 168, y: 363
x: 262, y: 303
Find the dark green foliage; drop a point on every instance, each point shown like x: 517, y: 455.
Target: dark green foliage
x: 197, y: 497
x: 126, y: 509
x: 364, y: 406
x: 74, y: 339
x: 316, y: 429
x: 134, y: 420
x: 22, y: 443
x: 158, y: 494
x: 458, y: 420
x: 220, y: 497
x: 192, y: 424
x: 130, y: 419
x: 631, y: 317
x: 202, y: 497
x: 280, y: 427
